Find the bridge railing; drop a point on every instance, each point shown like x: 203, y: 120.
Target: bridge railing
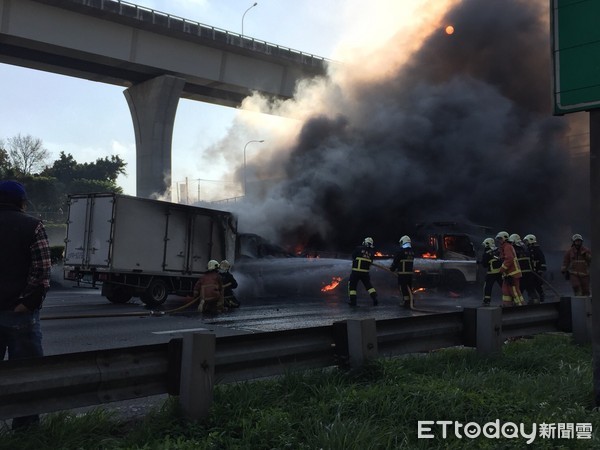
x: 190, y: 367
x: 175, y: 23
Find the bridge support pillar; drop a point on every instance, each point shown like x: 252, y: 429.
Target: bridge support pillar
x: 153, y: 105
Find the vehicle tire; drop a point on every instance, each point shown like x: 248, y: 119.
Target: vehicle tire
x: 156, y: 293
x: 119, y: 294
x: 454, y: 280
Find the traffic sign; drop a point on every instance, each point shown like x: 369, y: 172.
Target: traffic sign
x: 576, y: 54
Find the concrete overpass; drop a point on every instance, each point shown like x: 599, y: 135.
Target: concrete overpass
x: 157, y: 57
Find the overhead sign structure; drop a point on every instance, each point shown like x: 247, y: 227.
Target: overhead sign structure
x: 576, y: 54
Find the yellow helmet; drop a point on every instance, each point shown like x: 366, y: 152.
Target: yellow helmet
x: 503, y: 236
x: 225, y: 265
x: 404, y: 240
x: 368, y: 242
x: 514, y: 238
x: 530, y: 239
x: 488, y: 242
x: 576, y: 237
x: 212, y: 265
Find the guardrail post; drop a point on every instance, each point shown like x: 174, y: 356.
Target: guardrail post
x: 581, y: 314
x: 362, y: 341
x: 197, y: 374
x: 489, y: 330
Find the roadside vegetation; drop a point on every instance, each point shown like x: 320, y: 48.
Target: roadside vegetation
x: 546, y: 379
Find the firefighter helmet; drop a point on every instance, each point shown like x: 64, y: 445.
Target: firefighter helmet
x: 404, y: 240
x: 488, y: 242
x: 503, y: 236
x: 212, y: 265
x: 368, y: 242
x: 576, y: 237
x: 225, y: 265
x: 514, y: 238
x: 530, y: 239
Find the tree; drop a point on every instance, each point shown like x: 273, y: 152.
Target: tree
x: 5, y: 166
x: 26, y: 153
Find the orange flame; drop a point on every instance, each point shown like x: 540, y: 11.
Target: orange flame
x: 378, y: 254
x: 429, y: 255
x: 415, y: 291
x: 331, y: 286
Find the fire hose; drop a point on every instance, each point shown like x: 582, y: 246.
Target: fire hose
x: 547, y: 284
x: 410, y: 292
x: 151, y: 313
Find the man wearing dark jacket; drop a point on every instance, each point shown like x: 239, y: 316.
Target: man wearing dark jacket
x: 24, y: 279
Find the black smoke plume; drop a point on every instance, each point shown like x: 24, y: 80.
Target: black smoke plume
x: 464, y: 131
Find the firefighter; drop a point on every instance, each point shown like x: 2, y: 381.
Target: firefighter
x: 362, y: 258
x: 402, y: 265
x: 209, y: 289
x: 511, y: 273
x: 538, y: 265
x: 491, y: 262
x: 229, y: 284
x: 527, y: 283
x: 576, y: 266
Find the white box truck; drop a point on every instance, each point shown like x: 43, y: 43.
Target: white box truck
x: 145, y: 248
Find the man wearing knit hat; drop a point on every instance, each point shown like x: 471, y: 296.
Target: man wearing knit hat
x: 24, y: 279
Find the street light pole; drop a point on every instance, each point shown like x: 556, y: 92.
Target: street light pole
x: 244, y: 15
x: 245, y: 179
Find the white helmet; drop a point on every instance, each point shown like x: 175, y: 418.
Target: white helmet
x: 405, y: 240
x: 530, y: 239
x: 488, y: 242
x: 576, y: 237
x: 503, y: 236
x: 368, y: 242
x: 225, y: 265
x: 212, y: 265
x: 514, y: 238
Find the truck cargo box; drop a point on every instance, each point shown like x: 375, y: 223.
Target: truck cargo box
x: 128, y: 243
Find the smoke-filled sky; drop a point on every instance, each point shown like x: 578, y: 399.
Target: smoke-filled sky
x: 458, y: 128
x: 411, y: 124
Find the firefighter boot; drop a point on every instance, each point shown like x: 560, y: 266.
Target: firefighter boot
x: 352, y: 301
x: 374, y: 297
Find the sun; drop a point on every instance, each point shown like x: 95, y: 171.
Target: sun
x: 449, y: 29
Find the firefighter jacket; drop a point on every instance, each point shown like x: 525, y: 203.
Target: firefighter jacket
x: 17, y: 234
x: 523, y: 258
x: 403, y: 261
x: 538, y: 259
x: 491, y: 260
x: 510, y: 264
x: 362, y: 258
x: 209, y: 287
x: 577, y: 261
x: 229, y: 283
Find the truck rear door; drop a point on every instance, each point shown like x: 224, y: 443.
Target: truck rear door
x: 89, y: 231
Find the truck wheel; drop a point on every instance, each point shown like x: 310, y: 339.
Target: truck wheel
x: 156, y: 294
x: 454, y: 280
x: 119, y: 294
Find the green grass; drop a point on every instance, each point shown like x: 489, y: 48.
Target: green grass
x: 543, y: 380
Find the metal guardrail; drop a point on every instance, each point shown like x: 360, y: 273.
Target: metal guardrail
x: 60, y: 382
x: 178, y: 24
